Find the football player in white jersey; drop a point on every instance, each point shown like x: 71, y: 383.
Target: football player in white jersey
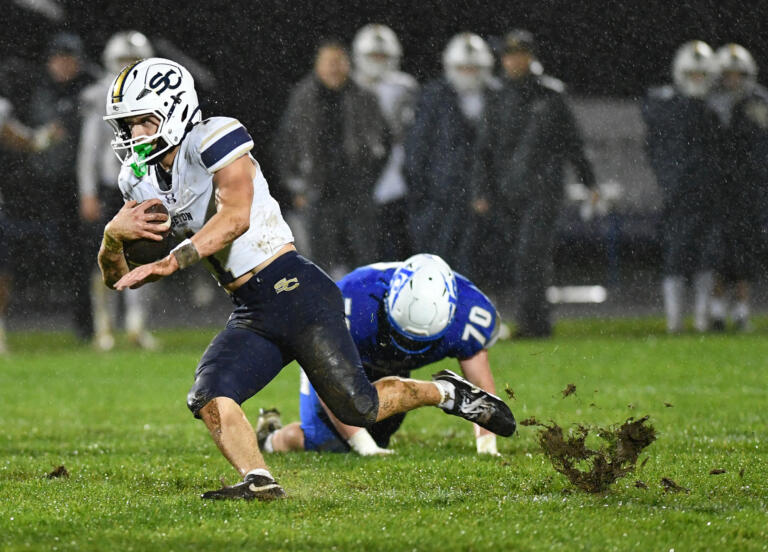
x: 99, y: 195
x: 285, y: 307
x: 376, y: 53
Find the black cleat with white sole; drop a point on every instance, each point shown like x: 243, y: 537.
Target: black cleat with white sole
x: 259, y: 487
x: 478, y: 406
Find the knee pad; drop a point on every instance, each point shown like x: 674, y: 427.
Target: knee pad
x: 356, y: 410
x: 197, y: 399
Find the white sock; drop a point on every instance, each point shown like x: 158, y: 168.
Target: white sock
x: 268, y: 444
x: 717, y: 308
x: 703, y: 283
x: 259, y: 471
x: 673, y: 288
x: 741, y: 311
x: 447, y: 393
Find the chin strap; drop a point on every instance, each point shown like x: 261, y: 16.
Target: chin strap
x: 142, y: 151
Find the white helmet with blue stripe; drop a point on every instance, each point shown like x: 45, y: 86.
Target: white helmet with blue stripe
x: 421, y: 302
x: 154, y: 86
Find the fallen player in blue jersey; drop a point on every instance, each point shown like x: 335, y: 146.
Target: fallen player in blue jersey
x: 402, y: 316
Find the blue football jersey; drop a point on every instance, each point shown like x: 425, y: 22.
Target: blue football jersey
x: 473, y: 328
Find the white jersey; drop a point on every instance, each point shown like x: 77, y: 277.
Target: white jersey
x: 396, y: 92
x: 210, y: 146
x: 96, y: 161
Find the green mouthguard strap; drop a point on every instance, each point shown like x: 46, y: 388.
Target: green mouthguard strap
x: 142, y: 152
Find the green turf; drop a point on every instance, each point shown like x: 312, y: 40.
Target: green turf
x: 138, y: 460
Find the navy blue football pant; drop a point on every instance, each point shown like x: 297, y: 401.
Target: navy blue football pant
x: 291, y: 310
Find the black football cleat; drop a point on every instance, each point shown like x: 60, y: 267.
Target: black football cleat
x: 478, y: 406
x: 259, y: 487
x: 268, y: 422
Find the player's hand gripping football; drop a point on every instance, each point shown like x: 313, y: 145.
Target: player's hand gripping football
x: 132, y: 222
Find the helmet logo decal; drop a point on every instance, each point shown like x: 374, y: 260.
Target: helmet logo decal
x: 159, y: 80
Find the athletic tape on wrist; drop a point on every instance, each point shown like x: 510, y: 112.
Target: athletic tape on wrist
x: 186, y: 254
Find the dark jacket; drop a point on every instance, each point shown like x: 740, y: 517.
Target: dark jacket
x: 300, y: 149
x: 682, y: 144
x: 438, y: 162
x: 528, y: 134
x: 743, y: 158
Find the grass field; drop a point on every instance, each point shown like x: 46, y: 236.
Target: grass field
x: 138, y: 460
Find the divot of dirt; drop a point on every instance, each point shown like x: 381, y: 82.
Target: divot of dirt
x: 640, y: 484
x: 59, y: 471
x: 668, y: 405
x: 509, y: 391
x: 672, y: 487
x: 532, y: 421
x: 591, y: 470
x: 570, y: 389
x: 716, y: 471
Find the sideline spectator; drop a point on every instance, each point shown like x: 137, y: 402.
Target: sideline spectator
x: 376, y: 53
x: 97, y: 171
x: 440, y: 147
x: 681, y: 142
x: 331, y: 147
x: 528, y: 134
x: 742, y: 105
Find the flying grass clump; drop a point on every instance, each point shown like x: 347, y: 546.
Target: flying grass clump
x: 594, y: 470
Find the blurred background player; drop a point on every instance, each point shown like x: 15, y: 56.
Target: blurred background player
x: 376, y: 53
x: 402, y: 316
x: 440, y: 147
x: 682, y: 146
x: 742, y: 105
x: 97, y: 172
x: 48, y: 203
x: 14, y: 231
x: 527, y: 136
x: 331, y: 147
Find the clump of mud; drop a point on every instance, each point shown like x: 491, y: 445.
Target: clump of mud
x: 595, y: 470
x: 59, y: 471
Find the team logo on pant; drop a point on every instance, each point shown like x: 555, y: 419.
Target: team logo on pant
x: 286, y: 285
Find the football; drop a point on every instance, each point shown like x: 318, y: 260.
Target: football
x: 143, y: 251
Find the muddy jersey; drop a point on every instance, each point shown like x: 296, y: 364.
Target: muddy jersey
x: 210, y: 146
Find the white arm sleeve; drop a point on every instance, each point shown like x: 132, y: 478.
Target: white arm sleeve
x: 88, y: 155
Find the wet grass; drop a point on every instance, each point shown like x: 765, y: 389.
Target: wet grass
x: 137, y: 461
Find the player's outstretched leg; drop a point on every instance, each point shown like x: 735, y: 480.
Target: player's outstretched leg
x: 236, y: 440
x: 474, y: 404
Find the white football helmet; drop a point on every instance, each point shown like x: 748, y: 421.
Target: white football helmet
x: 734, y: 58
x: 694, y: 69
x: 467, y: 62
x: 421, y: 302
x: 124, y: 48
x: 376, y: 51
x: 154, y: 86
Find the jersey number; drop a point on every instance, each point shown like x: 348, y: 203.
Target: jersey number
x: 481, y: 317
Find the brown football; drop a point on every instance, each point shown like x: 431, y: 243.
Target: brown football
x: 143, y: 251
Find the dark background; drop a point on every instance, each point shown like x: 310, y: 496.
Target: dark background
x: 258, y: 49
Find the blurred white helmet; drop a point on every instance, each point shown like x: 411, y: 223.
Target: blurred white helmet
x: 694, y: 69
x: 467, y: 62
x: 154, y: 86
x: 734, y: 58
x: 124, y: 48
x: 421, y: 302
x: 376, y: 51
